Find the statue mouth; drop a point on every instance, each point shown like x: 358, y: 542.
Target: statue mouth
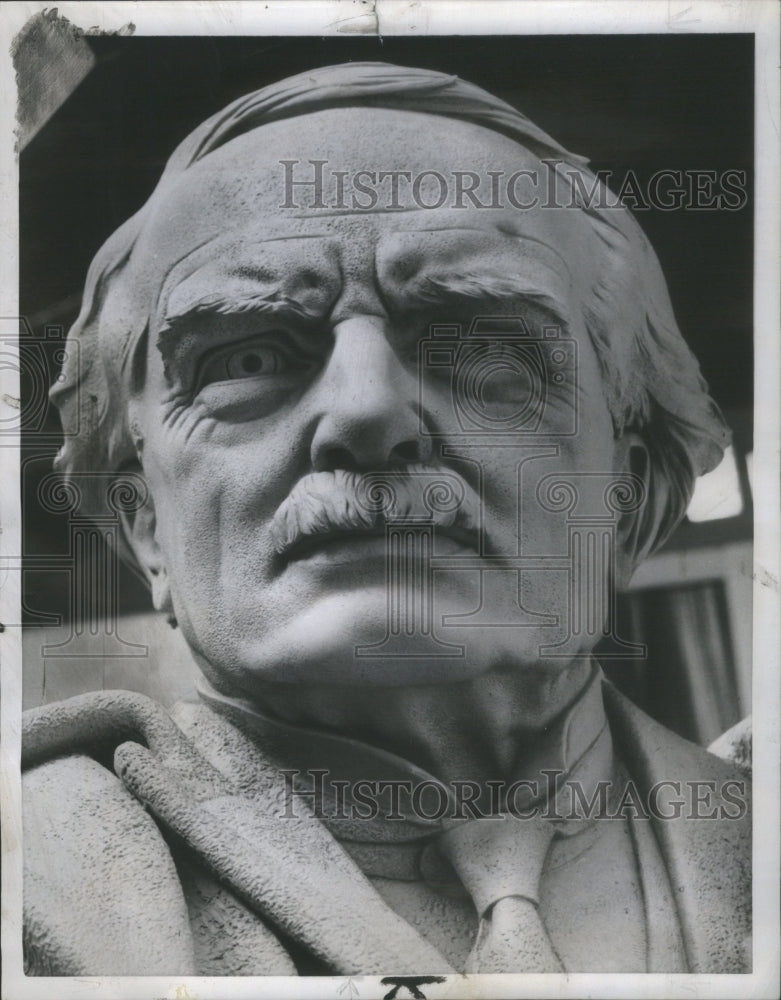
x: 343, y: 546
x: 355, y: 515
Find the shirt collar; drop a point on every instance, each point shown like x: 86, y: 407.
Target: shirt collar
x: 576, y: 743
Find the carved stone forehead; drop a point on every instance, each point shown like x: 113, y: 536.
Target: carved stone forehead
x: 237, y: 206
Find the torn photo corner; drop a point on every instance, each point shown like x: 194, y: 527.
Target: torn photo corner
x: 389, y: 430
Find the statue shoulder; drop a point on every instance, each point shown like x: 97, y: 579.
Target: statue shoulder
x: 95, y: 863
x: 94, y: 723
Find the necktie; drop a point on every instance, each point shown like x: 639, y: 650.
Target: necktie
x: 499, y: 862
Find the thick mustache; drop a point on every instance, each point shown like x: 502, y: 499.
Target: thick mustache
x: 342, y: 502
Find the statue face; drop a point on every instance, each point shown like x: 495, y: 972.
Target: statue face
x: 284, y: 358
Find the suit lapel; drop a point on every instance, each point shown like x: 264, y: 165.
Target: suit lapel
x: 300, y: 878
x: 708, y: 856
x: 223, y: 802
x: 290, y: 867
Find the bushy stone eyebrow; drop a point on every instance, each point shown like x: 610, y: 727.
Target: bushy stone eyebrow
x: 192, y: 319
x: 263, y: 303
x: 299, y: 295
x: 449, y: 290
x: 460, y: 288
x: 234, y: 279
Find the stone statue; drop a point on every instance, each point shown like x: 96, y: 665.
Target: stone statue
x: 376, y: 382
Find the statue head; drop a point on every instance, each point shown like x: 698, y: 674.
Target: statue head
x: 311, y: 378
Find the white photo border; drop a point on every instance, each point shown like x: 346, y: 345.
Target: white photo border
x: 435, y: 17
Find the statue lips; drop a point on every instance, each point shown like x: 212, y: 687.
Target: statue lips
x: 340, y: 547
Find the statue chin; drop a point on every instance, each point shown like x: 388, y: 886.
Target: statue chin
x: 350, y: 638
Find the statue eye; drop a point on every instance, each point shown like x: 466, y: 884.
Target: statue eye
x: 251, y: 359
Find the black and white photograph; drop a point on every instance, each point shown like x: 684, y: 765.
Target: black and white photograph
x: 389, y: 565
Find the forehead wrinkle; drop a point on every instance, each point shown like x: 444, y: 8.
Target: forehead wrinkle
x: 359, y: 212
x: 174, y: 277
x: 517, y: 237
x: 221, y: 242
x: 172, y: 274
x: 293, y: 236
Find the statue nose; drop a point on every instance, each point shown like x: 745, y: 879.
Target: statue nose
x: 369, y: 403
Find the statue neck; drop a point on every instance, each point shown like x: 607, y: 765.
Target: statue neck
x: 477, y: 730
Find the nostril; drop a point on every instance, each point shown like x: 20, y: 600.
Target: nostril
x: 408, y: 451
x: 336, y: 458
x: 355, y: 460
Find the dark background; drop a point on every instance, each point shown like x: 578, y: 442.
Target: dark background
x: 643, y: 103
x: 627, y: 102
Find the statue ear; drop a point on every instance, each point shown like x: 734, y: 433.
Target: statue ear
x: 640, y: 530
x: 139, y: 527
